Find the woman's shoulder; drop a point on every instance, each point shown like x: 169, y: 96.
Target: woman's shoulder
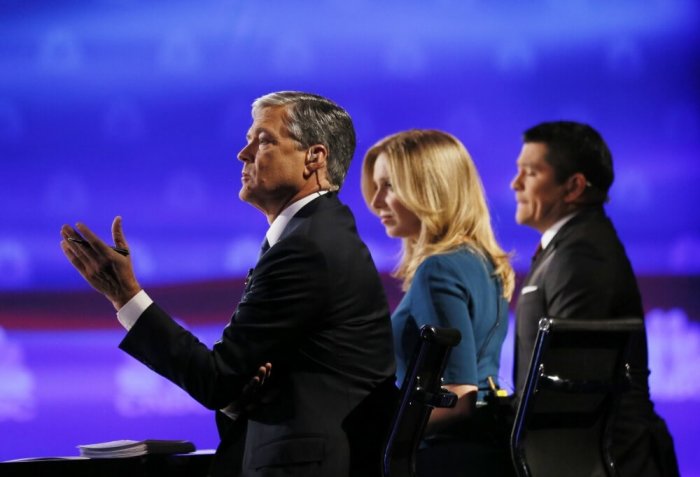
x: 460, y: 261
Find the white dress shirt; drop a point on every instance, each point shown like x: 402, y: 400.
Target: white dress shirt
x: 549, y: 234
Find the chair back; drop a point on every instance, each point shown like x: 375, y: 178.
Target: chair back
x: 564, y: 417
x: 421, y: 391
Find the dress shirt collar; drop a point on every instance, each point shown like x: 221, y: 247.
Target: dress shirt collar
x: 278, y: 225
x: 549, y: 234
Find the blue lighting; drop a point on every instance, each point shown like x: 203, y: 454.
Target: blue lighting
x: 138, y: 109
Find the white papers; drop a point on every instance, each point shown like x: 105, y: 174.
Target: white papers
x: 127, y: 448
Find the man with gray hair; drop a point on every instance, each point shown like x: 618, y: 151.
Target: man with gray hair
x: 313, y: 308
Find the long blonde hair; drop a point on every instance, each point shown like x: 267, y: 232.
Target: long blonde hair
x: 433, y: 175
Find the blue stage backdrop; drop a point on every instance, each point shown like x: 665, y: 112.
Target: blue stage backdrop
x: 135, y: 108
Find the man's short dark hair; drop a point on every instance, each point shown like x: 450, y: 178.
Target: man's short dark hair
x: 576, y: 147
x: 312, y: 119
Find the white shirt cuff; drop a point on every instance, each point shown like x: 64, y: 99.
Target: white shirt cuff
x: 230, y: 412
x: 130, y: 312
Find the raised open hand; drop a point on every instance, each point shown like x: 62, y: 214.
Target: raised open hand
x: 107, y: 269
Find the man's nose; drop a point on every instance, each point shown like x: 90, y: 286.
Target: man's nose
x: 246, y: 154
x: 515, y: 182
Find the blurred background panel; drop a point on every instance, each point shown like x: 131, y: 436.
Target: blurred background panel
x: 139, y: 108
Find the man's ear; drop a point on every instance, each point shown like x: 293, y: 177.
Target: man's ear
x: 575, y: 187
x: 316, y: 157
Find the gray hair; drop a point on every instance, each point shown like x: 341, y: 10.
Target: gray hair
x: 312, y: 119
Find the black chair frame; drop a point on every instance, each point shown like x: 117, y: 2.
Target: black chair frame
x: 577, y: 373
x: 421, y: 391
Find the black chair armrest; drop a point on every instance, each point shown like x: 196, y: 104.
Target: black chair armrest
x: 443, y: 398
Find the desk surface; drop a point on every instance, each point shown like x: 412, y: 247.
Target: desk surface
x: 179, y: 465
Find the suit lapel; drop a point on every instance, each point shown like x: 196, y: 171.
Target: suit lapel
x: 541, y: 263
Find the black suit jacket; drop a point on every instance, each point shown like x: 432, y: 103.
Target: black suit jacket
x: 314, y: 307
x: 584, y: 273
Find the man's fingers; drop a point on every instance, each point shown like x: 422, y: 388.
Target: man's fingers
x: 264, y: 372
x: 77, y: 246
x: 72, y: 236
x: 74, y: 259
x: 118, y: 233
x: 68, y: 231
x: 95, y: 242
x: 258, y: 379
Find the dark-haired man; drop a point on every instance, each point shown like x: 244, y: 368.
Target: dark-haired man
x: 581, y: 270
x: 313, y: 307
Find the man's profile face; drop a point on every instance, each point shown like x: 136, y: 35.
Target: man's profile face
x: 539, y: 197
x: 273, y: 164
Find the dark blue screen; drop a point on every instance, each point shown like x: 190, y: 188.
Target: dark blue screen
x: 138, y: 109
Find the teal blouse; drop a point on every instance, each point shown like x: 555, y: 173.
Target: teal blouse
x: 455, y: 290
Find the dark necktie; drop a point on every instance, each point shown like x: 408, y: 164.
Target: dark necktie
x: 264, y: 248
x: 538, y: 251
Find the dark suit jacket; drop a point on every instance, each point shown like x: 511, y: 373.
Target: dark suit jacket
x: 585, y: 273
x: 314, y: 307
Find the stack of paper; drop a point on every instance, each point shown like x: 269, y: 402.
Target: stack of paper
x: 126, y: 448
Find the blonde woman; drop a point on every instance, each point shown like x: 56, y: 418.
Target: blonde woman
x: 425, y: 189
